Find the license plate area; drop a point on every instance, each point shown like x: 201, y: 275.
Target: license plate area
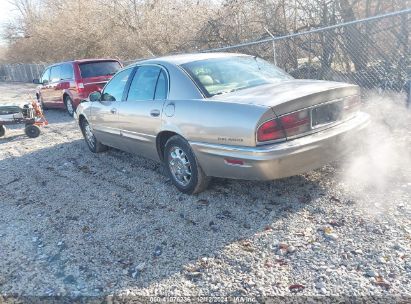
x: 326, y: 114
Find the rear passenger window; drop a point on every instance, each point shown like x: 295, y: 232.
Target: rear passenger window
x: 67, y: 71
x: 144, y: 83
x: 55, y: 73
x: 162, y: 86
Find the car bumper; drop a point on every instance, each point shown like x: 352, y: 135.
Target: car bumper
x: 77, y: 100
x: 282, y: 159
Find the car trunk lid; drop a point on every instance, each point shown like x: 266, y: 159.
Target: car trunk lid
x: 298, y: 107
x: 292, y: 95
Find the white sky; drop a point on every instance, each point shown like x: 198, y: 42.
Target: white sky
x: 7, y: 12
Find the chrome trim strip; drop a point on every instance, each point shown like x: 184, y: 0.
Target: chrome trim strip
x: 108, y: 130
x: 359, y: 119
x: 136, y: 135
x: 97, y: 82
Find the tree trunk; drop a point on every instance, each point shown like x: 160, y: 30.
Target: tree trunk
x: 355, y: 42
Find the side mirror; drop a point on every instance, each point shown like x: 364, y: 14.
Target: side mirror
x: 36, y: 81
x: 95, y: 96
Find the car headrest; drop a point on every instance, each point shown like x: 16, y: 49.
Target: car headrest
x: 206, y: 80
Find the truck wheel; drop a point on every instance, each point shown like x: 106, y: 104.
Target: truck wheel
x: 32, y: 131
x: 183, y: 168
x: 2, y: 130
x: 69, y: 106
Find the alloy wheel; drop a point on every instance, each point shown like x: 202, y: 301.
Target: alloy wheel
x: 180, y: 166
x: 69, y: 106
x: 88, y: 134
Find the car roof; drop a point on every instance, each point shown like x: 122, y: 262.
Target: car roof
x: 185, y: 58
x: 96, y: 59
x: 84, y: 61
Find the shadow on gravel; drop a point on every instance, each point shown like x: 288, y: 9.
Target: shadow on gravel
x: 7, y: 139
x: 57, y: 116
x: 108, y: 222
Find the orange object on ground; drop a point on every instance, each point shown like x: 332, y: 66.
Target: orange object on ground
x: 40, y: 118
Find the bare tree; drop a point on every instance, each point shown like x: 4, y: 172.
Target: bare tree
x: 53, y: 30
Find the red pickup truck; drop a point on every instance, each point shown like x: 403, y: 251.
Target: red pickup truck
x: 63, y: 85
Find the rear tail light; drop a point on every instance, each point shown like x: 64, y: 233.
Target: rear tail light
x: 287, y: 125
x: 270, y: 130
x: 296, y: 123
x: 80, y: 87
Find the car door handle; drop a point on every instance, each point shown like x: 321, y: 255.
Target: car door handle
x: 155, y: 113
x: 113, y: 111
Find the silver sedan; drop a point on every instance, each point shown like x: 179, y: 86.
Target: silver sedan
x: 222, y: 115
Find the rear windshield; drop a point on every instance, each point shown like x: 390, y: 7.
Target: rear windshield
x: 99, y: 68
x: 223, y: 75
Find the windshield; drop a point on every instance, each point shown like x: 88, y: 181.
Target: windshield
x: 99, y: 68
x: 229, y: 74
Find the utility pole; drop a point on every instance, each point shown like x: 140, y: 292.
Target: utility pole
x: 274, y: 52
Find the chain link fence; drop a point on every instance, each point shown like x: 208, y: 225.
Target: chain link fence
x: 373, y: 53
x: 21, y: 72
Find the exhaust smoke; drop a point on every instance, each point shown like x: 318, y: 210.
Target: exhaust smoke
x: 378, y: 174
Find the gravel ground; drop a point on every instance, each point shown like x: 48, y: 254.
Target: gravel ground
x: 73, y: 223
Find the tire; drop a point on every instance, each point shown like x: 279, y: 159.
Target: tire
x: 93, y: 144
x: 182, y: 166
x: 32, y: 131
x: 2, y: 130
x: 69, y: 106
